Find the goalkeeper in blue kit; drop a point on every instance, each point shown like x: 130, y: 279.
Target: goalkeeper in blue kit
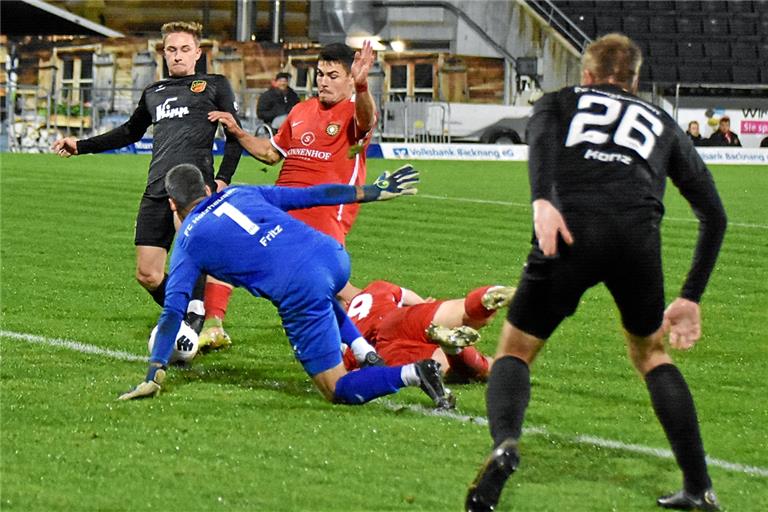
x: 244, y: 236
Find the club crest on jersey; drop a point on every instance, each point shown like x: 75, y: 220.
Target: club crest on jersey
x: 307, y: 138
x: 332, y: 129
x: 198, y: 86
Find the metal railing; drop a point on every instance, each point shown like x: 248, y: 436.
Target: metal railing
x: 415, y: 120
x: 37, y: 116
x: 560, y: 21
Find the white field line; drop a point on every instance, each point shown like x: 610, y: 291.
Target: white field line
x: 527, y: 205
x: 418, y: 409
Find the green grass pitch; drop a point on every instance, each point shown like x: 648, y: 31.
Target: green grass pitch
x: 243, y: 430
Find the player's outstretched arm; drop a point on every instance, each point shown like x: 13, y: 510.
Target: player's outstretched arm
x: 365, y: 106
x: 682, y: 321
x: 65, y: 147
x: 388, y: 185
x: 261, y: 149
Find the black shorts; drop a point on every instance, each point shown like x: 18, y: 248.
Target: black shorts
x: 624, y: 253
x: 154, y: 223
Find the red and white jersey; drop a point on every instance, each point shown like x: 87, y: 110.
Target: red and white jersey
x: 323, y: 145
x: 368, y: 308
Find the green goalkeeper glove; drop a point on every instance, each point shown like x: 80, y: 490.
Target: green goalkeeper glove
x: 151, y: 385
x: 399, y: 183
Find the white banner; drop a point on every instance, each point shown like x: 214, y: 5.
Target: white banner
x: 725, y: 155
x: 519, y: 153
x: 499, y: 152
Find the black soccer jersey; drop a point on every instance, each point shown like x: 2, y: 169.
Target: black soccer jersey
x: 600, y: 149
x: 177, y: 108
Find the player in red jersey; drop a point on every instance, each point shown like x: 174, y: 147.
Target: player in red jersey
x: 323, y: 140
x: 404, y: 327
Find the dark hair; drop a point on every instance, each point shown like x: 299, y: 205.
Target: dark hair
x: 184, y: 184
x: 338, y: 52
x: 283, y: 74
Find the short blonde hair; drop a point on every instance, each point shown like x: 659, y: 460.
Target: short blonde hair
x: 613, y: 56
x: 193, y: 28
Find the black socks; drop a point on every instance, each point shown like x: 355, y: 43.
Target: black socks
x: 673, y: 404
x: 507, y: 397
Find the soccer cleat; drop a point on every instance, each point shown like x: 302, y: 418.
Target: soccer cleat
x: 683, y: 500
x: 428, y: 371
x: 497, y: 297
x: 213, y: 337
x: 372, y: 359
x: 453, y: 337
x: 485, y: 490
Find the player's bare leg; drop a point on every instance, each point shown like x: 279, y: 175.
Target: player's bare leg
x: 213, y: 335
x: 676, y: 411
x: 150, y: 270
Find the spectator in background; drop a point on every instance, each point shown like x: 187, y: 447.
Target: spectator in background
x: 695, y: 135
x: 724, y: 136
x: 277, y: 101
x: 764, y: 143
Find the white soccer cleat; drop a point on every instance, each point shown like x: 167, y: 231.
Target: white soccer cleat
x: 453, y: 337
x: 497, y: 297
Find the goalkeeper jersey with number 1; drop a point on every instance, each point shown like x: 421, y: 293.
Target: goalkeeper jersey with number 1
x: 244, y: 236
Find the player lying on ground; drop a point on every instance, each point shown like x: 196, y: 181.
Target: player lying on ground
x: 598, y: 165
x: 406, y: 328
x: 244, y: 236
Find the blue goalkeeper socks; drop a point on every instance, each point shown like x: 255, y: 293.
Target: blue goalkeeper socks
x: 364, y: 385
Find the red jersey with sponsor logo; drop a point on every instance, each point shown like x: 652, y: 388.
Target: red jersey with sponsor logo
x: 369, y: 307
x: 323, y: 145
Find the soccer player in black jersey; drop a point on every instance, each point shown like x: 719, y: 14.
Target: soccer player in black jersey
x: 598, y: 163
x: 177, y: 108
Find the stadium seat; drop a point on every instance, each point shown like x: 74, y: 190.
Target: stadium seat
x: 718, y: 75
x: 742, y: 6
x: 763, y: 50
x: 691, y: 73
x: 664, y: 73
x: 746, y: 74
x: 662, y: 25
x: 635, y: 27
x: 743, y: 51
x: 662, y: 49
x: 688, y: 25
x: 607, y: 24
x: 715, y: 25
x: 714, y: 6
x: 686, y: 6
x: 661, y: 5
x: 628, y: 6
x: 743, y: 27
x: 690, y: 49
x: 717, y: 49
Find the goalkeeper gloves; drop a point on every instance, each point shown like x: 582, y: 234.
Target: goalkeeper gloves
x: 399, y: 183
x: 151, y: 385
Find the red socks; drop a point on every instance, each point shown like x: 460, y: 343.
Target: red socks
x: 469, y: 363
x: 216, y: 300
x: 473, y: 304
